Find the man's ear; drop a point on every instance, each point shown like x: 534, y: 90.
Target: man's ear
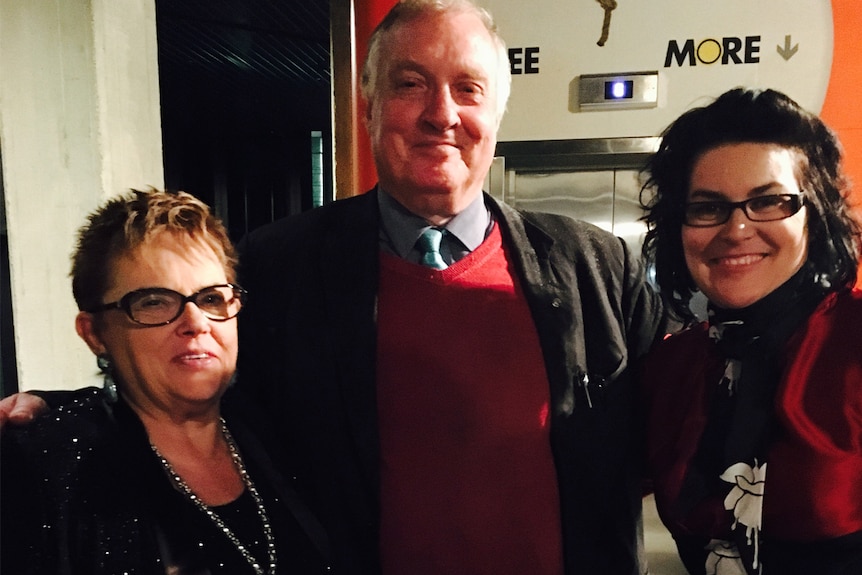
x: 85, y: 325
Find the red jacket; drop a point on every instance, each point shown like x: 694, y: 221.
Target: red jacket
x: 814, y: 486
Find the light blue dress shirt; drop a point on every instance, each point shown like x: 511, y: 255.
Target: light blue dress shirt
x: 400, y: 228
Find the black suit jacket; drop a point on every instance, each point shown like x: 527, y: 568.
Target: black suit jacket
x: 308, y: 350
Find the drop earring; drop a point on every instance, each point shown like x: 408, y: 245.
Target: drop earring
x: 108, y: 385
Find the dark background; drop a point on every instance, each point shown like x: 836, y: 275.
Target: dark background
x: 243, y: 84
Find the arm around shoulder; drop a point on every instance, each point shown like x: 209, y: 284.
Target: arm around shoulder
x: 20, y: 409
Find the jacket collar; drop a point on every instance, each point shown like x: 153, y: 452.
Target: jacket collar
x: 554, y: 303
x: 532, y: 243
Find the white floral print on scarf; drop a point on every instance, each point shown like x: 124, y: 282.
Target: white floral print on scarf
x: 746, y: 501
x: 723, y: 559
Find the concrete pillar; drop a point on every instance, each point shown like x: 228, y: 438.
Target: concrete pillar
x: 79, y: 122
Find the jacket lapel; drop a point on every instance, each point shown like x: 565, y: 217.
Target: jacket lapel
x: 550, y: 287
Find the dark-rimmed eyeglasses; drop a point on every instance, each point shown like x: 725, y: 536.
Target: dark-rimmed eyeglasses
x: 161, y: 306
x: 758, y: 209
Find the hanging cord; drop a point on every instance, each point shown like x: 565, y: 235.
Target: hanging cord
x: 608, y: 6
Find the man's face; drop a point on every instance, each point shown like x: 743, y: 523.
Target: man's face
x: 432, y: 118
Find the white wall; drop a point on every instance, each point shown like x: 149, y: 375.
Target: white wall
x: 566, y: 32
x: 79, y: 122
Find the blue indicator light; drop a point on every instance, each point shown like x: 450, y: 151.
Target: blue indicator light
x: 619, y: 90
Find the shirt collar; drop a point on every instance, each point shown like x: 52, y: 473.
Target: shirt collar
x: 400, y: 228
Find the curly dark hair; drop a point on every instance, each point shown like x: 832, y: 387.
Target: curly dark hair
x: 744, y: 115
x: 126, y: 221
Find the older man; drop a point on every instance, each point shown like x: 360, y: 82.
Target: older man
x: 451, y: 376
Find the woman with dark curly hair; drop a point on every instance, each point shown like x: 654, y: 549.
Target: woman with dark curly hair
x: 749, y: 207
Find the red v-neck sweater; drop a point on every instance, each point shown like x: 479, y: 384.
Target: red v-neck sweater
x: 467, y: 477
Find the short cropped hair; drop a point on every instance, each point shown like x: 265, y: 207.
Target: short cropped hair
x: 126, y: 221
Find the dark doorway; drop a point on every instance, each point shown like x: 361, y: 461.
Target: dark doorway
x: 244, y: 84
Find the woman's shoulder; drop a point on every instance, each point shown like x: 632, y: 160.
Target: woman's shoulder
x: 849, y: 301
x: 672, y: 360
x: 71, y: 491
x: 687, y: 339
x: 82, y: 420
x: 42, y: 463
x: 839, y: 315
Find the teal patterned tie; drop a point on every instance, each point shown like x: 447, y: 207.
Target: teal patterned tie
x: 429, y: 246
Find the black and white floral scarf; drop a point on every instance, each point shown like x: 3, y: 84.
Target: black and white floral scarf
x: 731, y: 458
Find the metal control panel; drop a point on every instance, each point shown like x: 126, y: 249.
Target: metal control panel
x: 618, y: 91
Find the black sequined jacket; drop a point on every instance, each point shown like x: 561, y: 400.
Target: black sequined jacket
x: 82, y: 493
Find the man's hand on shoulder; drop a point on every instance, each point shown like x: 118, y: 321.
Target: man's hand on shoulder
x: 20, y: 409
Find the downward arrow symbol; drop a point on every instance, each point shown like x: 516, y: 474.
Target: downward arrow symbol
x: 787, y: 52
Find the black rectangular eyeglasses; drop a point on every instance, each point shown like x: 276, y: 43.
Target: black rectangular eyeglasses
x: 161, y: 306
x: 758, y: 209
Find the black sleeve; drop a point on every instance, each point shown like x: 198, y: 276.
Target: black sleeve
x: 25, y: 545
x: 55, y: 399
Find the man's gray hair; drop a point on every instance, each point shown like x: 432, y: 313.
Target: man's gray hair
x: 408, y: 10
